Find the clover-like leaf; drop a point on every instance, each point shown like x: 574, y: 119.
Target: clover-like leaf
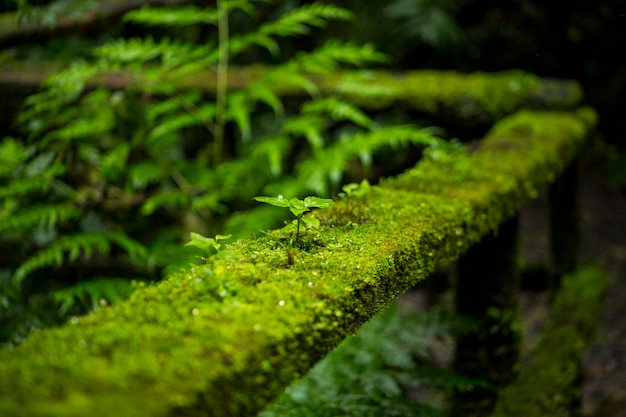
x: 279, y: 201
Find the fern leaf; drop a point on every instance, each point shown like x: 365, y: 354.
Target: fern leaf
x: 92, y: 291
x: 172, y: 124
x: 172, y: 17
x: 52, y: 256
x: 170, y: 105
x: 335, y: 54
x: 310, y: 126
x: 299, y: 21
x: 184, y: 15
x: 77, y: 245
x: 262, y: 92
x: 81, y: 129
x: 13, y: 154
x: 29, y: 218
x: 239, y: 109
x: 339, y: 110
x: 171, y: 199
x: 23, y: 187
x: 135, y: 250
x: 274, y: 150
x: 171, y: 53
x: 144, y: 173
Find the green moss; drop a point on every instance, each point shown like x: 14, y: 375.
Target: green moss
x: 549, y: 385
x: 477, y: 97
x: 225, y: 338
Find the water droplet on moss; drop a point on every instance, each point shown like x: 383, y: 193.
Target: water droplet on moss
x: 195, y: 311
x: 281, y: 303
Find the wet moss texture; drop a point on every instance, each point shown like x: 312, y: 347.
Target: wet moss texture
x: 225, y: 338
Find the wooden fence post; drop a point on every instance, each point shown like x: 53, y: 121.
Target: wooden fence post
x: 487, y: 292
x: 565, y: 220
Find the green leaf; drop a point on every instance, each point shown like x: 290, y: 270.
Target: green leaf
x: 297, y: 207
x: 311, y: 222
x: 279, y: 201
x: 318, y: 202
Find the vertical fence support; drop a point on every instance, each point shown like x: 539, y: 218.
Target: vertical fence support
x: 565, y: 220
x: 487, y: 292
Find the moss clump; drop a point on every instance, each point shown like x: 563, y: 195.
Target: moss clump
x: 225, y: 338
x: 550, y: 385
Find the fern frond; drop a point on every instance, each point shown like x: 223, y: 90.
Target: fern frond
x: 362, y: 87
x: 91, y: 292
x: 274, y: 151
x: 135, y: 250
x: 296, y: 22
x: 262, y: 92
x: 28, y: 218
x: 299, y: 21
x: 285, y: 76
x: 172, y: 17
x: 169, y: 52
x: 80, y: 129
x: 59, y: 90
x: 53, y: 255
x: 74, y: 246
x: 171, y: 199
x: 335, y: 54
x: 339, y: 110
x: 326, y: 167
x: 239, y: 110
x: 20, y: 188
x: 175, y: 123
x: 144, y: 173
x: 310, y: 126
x: 184, y: 15
x: 170, y: 105
x: 13, y: 153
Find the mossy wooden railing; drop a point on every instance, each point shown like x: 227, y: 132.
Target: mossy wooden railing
x: 225, y: 338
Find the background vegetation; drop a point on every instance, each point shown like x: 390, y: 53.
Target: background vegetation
x: 100, y: 187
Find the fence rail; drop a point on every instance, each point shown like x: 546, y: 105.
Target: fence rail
x: 225, y: 338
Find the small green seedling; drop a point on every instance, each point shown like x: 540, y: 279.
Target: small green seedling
x: 208, y: 244
x: 354, y: 189
x: 299, y: 208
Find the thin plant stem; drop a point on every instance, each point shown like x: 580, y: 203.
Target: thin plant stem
x: 222, y: 81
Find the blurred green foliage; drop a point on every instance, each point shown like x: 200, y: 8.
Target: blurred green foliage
x: 107, y: 183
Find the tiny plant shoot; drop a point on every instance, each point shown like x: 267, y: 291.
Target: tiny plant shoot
x: 299, y: 208
x: 208, y: 245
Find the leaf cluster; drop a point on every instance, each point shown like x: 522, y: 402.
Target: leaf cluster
x: 98, y: 168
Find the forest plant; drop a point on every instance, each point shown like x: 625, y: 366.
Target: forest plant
x: 299, y: 208
x: 101, y: 166
x: 208, y: 245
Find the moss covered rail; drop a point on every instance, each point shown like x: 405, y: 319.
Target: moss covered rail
x: 225, y: 338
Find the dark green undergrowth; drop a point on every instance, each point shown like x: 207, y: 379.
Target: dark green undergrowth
x: 393, y: 367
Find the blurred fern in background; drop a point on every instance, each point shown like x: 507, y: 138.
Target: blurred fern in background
x: 107, y: 183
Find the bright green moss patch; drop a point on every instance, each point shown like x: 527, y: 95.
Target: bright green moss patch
x: 550, y: 384
x: 225, y: 338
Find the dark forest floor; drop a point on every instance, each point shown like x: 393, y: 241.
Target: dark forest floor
x: 604, y: 243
